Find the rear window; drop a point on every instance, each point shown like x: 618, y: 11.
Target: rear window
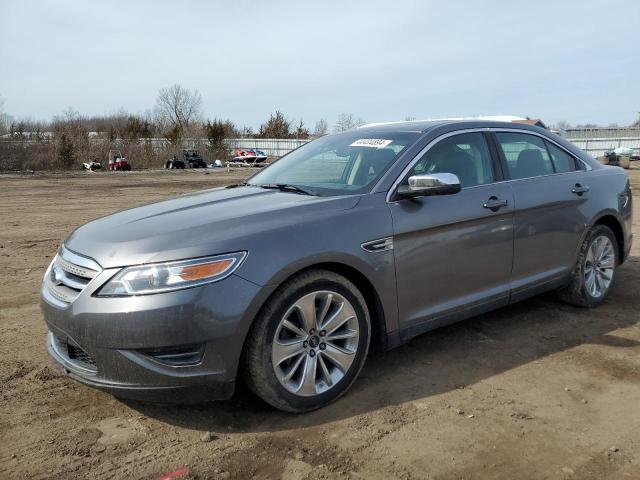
x: 526, y: 155
x: 562, y: 161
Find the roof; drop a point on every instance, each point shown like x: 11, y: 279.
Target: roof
x: 473, y: 122
x: 408, y: 126
x: 427, y: 124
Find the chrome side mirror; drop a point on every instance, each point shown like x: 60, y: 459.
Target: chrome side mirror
x: 431, y: 184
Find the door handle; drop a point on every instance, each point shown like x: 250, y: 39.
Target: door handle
x: 580, y: 189
x: 494, y: 204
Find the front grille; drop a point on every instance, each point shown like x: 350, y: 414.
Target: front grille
x: 74, y: 354
x: 69, y: 274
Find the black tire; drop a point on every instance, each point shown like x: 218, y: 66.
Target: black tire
x: 258, y: 368
x: 577, y: 293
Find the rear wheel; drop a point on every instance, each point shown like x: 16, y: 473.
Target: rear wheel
x: 309, y: 343
x: 594, y: 272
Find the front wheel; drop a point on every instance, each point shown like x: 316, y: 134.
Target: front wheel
x: 309, y: 343
x: 595, y: 269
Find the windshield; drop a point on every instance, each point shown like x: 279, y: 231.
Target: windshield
x: 347, y: 163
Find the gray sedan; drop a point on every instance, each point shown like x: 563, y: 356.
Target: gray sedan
x: 364, y: 238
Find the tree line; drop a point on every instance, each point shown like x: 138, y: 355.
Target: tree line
x: 176, y: 122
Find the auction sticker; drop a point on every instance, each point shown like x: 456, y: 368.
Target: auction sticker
x: 371, y: 142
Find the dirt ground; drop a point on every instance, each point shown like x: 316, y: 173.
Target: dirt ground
x: 535, y: 390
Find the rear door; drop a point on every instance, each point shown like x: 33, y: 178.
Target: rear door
x: 453, y: 253
x: 550, y: 192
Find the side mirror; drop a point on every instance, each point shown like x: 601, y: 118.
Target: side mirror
x: 431, y: 184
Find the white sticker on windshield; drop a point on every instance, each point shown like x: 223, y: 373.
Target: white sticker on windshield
x: 371, y: 142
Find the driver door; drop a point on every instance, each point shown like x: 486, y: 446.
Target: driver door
x: 454, y: 253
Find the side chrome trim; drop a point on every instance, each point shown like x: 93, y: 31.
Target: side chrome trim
x: 379, y: 245
x: 530, y: 132
x: 419, y: 155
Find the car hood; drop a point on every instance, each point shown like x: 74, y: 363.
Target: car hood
x: 210, y: 222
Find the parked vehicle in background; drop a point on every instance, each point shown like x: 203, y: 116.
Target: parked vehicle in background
x: 632, y: 153
x: 192, y: 158
x: 93, y: 166
x: 612, y: 158
x: 117, y: 161
x: 260, y: 155
x: 370, y: 236
x: 245, y: 155
x: 249, y: 155
x: 174, y: 162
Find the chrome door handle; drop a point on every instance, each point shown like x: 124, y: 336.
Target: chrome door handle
x: 494, y: 204
x: 580, y: 189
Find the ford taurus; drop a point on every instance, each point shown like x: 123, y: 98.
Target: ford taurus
x: 368, y: 237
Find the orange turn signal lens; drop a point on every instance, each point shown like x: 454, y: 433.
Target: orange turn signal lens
x: 205, y: 270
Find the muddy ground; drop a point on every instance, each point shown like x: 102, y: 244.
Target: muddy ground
x: 536, y: 390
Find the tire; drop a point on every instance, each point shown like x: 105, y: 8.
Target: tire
x: 328, y: 293
x: 580, y: 291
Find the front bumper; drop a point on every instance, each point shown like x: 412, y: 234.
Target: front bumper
x: 117, y: 344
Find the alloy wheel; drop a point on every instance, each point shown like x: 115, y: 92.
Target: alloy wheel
x: 599, y: 266
x: 315, y: 343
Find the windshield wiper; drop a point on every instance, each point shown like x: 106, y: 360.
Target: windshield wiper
x: 286, y: 187
x: 243, y: 184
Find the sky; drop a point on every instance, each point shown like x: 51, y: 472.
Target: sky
x: 577, y: 61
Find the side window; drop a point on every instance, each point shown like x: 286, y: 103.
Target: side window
x: 526, y: 155
x: 562, y: 161
x: 465, y: 155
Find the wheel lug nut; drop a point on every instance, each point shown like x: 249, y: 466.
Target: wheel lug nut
x: 323, y: 346
x: 312, y: 353
x: 305, y: 344
x: 312, y: 331
x: 323, y: 333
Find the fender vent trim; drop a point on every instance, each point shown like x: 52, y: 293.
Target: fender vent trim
x: 379, y: 245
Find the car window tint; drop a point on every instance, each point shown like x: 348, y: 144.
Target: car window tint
x: 562, y: 161
x: 526, y: 155
x: 465, y: 155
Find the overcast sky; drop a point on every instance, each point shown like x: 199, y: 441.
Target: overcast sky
x: 557, y: 60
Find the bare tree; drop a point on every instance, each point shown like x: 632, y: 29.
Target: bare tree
x: 5, y: 118
x: 321, y: 128
x: 301, y: 132
x: 346, y: 121
x: 276, y: 127
x: 561, y: 125
x: 178, y: 107
x: 71, y: 138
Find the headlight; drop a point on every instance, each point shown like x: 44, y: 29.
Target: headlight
x: 165, y: 277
